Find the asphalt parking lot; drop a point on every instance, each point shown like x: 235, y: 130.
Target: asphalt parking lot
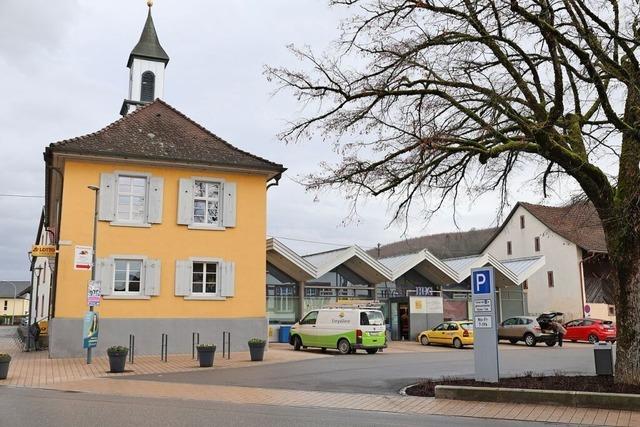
x: 388, y: 372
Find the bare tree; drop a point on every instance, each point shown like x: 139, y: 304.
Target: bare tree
x: 429, y: 98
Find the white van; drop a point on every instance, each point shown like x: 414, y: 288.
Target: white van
x: 346, y: 329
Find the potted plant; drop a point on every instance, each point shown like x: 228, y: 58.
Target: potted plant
x: 117, y: 358
x: 256, y: 348
x: 5, y: 359
x: 206, y: 352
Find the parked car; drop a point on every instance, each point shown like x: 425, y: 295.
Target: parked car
x: 592, y: 330
x: 457, y: 334
x: 529, y: 329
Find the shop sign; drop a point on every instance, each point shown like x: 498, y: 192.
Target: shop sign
x: 90, y: 330
x: 83, y: 258
x: 424, y: 291
x: 43, y: 251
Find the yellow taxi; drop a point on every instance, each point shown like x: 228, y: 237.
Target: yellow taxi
x: 455, y: 333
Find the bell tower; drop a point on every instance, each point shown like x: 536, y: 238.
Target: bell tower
x: 147, y: 63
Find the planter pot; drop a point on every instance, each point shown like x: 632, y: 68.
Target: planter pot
x: 257, y: 352
x: 4, y: 370
x: 117, y: 362
x: 206, y: 358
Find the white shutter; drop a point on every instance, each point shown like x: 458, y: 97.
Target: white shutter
x: 107, y: 197
x: 185, y: 201
x: 104, y: 273
x: 154, y: 209
x: 228, y: 278
x: 152, y: 277
x: 229, y: 205
x: 184, y: 271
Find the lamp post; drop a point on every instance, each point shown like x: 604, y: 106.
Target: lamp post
x: 96, y: 191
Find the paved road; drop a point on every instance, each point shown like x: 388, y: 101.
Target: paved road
x: 385, y: 373
x: 48, y: 408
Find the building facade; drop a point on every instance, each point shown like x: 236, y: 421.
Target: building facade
x: 181, y: 225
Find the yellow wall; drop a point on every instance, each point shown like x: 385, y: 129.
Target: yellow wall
x: 168, y: 242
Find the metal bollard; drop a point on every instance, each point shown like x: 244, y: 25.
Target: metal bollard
x: 195, y: 340
x: 164, y: 348
x: 132, y: 347
x: 226, y: 344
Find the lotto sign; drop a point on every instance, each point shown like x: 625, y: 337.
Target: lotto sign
x: 93, y: 293
x: 43, y: 251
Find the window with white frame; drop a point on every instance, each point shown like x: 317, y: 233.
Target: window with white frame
x: 128, y: 276
x: 205, y: 278
x: 206, y: 203
x: 132, y: 192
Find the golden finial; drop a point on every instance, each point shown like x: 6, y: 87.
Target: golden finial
x: 149, y: 3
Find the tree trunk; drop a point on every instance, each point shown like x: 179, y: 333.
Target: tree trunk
x: 627, y: 267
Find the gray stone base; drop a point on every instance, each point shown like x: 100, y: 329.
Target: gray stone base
x: 65, y: 334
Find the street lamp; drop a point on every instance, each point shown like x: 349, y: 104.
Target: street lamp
x: 96, y: 190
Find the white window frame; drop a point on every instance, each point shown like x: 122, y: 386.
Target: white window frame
x: 130, y: 222
x: 206, y: 225
x: 128, y: 294
x: 203, y: 294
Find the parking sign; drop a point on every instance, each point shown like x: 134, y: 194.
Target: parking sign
x: 481, y: 280
x: 485, y: 339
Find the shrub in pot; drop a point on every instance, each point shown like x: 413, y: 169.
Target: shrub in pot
x: 256, y: 348
x: 5, y: 359
x: 206, y: 353
x: 117, y: 358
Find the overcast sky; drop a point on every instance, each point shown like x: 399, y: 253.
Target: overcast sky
x: 63, y: 74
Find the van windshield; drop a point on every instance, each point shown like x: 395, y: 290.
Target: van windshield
x: 374, y: 318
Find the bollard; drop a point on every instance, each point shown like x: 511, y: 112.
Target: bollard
x: 195, y: 340
x: 226, y: 344
x: 164, y: 347
x: 132, y: 347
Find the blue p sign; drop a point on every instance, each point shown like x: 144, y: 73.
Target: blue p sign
x: 481, y: 281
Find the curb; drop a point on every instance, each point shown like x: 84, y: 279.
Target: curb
x: 547, y: 397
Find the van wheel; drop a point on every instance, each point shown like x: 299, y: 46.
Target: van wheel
x: 372, y: 350
x: 343, y: 346
x: 297, y: 343
x: 457, y: 343
x: 530, y: 340
x: 424, y: 340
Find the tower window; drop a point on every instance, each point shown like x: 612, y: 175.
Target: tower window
x: 148, y: 86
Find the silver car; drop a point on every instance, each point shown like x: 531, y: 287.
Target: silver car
x: 527, y: 329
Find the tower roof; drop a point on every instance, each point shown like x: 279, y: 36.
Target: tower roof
x: 148, y: 46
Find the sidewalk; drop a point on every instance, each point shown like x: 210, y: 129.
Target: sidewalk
x: 35, y: 369
x: 392, y: 404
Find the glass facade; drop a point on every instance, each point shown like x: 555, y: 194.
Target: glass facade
x: 338, y: 285
x: 283, y: 303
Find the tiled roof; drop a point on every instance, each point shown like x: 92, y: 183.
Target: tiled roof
x: 578, y: 222
x: 443, y: 245
x: 158, y: 131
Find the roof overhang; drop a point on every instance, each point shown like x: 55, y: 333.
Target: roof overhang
x: 512, y: 272
x: 424, y: 263
x: 289, y: 262
x: 354, y: 258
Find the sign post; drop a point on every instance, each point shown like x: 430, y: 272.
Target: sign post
x: 485, y: 332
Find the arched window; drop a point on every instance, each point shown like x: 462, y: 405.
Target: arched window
x: 148, y: 86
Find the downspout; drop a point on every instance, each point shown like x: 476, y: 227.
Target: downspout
x: 54, y: 275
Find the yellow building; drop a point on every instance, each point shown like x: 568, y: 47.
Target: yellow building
x: 181, y: 225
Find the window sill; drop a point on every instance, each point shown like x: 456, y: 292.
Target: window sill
x: 131, y: 224
x: 135, y: 297
x: 204, y: 298
x: 205, y: 227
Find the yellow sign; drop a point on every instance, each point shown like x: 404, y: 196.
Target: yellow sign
x: 43, y: 250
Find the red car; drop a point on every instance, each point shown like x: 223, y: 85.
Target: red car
x: 592, y: 330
